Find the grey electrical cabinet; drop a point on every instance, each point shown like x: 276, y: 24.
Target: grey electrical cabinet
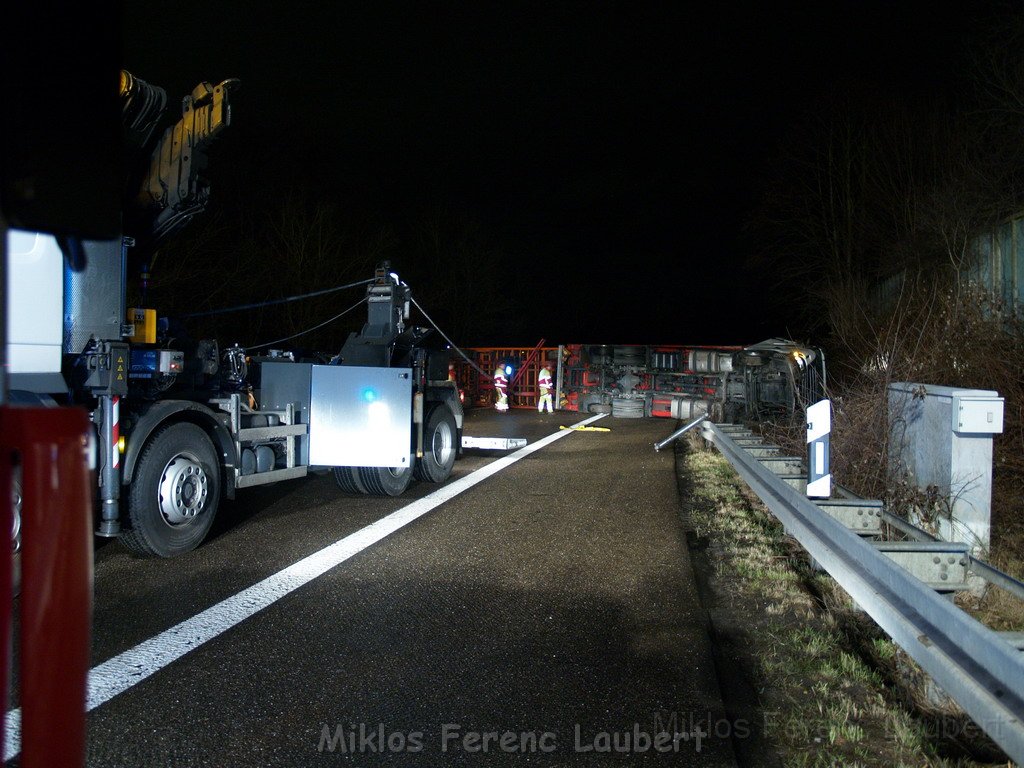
x: 941, y: 442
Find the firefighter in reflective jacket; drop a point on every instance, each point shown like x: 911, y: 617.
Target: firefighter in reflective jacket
x: 544, y: 382
x: 501, y: 388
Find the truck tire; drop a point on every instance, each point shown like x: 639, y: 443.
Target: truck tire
x: 174, y: 494
x: 626, y: 408
x: 348, y: 480
x: 628, y: 355
x: 16, y: 535
x: 437, y: 395
x: 385, y: 481
x: 16, y: 503
x: 439, y: 446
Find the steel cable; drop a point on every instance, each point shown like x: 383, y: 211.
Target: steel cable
x: 308, y: 330
x: 272, y: 302
x: 450, y: 342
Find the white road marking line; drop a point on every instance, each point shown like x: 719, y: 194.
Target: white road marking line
x: 117, y: 675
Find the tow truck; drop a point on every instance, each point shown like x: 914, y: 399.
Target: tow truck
x: 179, y: 424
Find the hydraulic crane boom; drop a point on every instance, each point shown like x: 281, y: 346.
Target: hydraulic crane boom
x: 165, y: 188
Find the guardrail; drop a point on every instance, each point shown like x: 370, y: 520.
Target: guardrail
x: 979, y: 568
x: 978, y: 668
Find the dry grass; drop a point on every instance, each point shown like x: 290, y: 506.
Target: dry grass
x: 953, y: 335
x: 956, y: 336
x: 821, y: 670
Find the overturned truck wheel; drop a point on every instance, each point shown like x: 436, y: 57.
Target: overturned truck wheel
x: 626, y: 408
x: 439, y: 448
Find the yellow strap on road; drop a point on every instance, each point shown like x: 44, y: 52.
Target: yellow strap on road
x: 587, y: 429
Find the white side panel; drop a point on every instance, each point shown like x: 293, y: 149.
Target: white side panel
x: 35, y: 302
x: 360, y: 416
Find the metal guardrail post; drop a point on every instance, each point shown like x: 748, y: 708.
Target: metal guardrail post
x: 994, y: 576
x: 979, y: 568
x: 678, y: 433
x: 980, y: 670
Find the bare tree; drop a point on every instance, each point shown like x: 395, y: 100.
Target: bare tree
x: 462, y: 278
x: 292, y: 246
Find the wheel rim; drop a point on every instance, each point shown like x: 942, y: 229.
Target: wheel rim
x: 441, y: 444
x: 184, y: 487
x: 16, y: 518
x: 397, y: 471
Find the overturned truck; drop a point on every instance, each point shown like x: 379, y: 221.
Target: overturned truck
x: 772, y: 379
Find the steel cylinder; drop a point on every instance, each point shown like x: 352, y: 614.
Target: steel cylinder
x: 689, y: 408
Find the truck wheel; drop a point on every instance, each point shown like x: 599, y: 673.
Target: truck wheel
x: 439, y: 446
x: 385, y: 481
x: 16, y: 534
x: 174, y: 494
x: 348, y: 480
x: 16, y: 513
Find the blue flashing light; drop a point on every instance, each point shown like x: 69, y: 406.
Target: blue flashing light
x: 508, y: 370
x: 369, y: 394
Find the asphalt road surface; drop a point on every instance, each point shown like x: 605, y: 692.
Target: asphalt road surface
x: 547, y: 615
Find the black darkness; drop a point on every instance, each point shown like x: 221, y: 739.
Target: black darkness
x: 614, y: 150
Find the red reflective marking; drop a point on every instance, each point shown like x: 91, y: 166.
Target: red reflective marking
x: 116, y: 432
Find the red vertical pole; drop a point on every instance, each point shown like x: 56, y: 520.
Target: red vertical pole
x: 56, y: 591
x: 522, y: 368
x: 6, y: 565
x: 529, y: 359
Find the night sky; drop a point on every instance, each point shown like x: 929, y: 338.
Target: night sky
x: 613, y: 150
